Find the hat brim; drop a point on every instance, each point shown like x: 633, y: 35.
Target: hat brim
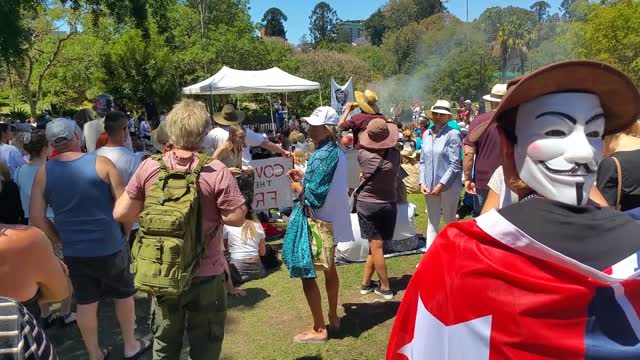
x: 440, y: 112
x: 155, y: 141
x: 364, y: 106
x: 316, y: 122
x: 618, y: 95
x: 491, y: 98
x: 365, y: 141
x: 238, y: 114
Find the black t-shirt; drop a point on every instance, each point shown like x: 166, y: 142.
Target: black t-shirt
x: 10, y: 204
x: 608, y: 179
x: 595, y: 236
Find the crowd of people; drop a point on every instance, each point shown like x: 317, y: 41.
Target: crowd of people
x: 83, y: 197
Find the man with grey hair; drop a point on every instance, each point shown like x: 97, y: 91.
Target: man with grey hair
x: 81, y: 190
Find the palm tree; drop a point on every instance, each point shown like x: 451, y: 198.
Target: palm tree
x: 500, y: 49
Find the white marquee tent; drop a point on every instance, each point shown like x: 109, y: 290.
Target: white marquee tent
x: 232, y: 81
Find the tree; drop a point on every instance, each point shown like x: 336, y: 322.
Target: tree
x: 13, y: 34
x: 513, y: 40
x: 541, y: 9
x: 375, y: 27
x: 399, y: 13
x: 427, y: 8
x: 322, y: 23
x: 467, y: 71
x: 42, y: 50
x: 273, y: 22
x: 612, y: 34
x: 565, y: 9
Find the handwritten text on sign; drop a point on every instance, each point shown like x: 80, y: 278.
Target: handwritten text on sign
x: 272, y: 186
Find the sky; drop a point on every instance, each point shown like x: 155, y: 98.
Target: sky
x: 298, y: 11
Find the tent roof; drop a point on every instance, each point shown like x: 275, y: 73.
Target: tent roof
x: 232, y: 81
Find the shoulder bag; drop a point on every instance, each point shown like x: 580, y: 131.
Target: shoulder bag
x: 619, y: 171
x: 354, y: 197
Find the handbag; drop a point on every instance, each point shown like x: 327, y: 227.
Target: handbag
x: 321, y: 241
x: 353, y: 201
x: 619, y: 171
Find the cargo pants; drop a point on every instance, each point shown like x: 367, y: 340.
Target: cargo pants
x: 201, y: 311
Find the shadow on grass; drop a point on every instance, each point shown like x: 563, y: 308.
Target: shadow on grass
x: 361, y: 317
x: 313, y: 357
x: 68, y: 341
x: 254, y: 296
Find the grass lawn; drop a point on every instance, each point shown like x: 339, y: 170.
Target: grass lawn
x: 261, y: 324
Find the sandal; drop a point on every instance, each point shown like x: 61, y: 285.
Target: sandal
x: 105, y: 354
x: 145, y: 345
x: 309, y: 337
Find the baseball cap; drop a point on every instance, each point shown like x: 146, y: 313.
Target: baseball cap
x: 60, y: 131
x: 324, y: 115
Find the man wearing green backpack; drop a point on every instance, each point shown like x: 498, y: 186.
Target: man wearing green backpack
x: 183, y: 199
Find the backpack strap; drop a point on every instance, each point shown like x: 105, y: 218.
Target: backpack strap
x: 163, y: 166
x: 203, y: 159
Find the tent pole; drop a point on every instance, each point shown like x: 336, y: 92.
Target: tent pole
x: 273, y: 124
x: 320, y: 92
x: 211, y: 99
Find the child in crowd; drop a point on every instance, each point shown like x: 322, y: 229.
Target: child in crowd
x: 246, y: 244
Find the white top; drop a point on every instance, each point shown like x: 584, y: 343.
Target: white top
x: 92, y: 131
x: 145, y: 128
x: 243, y: 249
x: 497, y: 184
x: 11, y: 156
x: 336, y: 206
x: 124, y: 159
x: 220, y: 134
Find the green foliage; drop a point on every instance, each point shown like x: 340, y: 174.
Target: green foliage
x: 273, y: 22
x: 137, y: 71
x: 541, y: 9
x: 468, y: 72
x: 612, y: 34
x: 375, y: 27
x: 13, y: 34
x: 322, y: 23
x: 400, y: 13
x: 565, y: 7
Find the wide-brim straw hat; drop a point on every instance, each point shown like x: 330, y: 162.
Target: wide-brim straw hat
x: 498, y: 91
x: 408, y: 153
x: 229, y: 115
x: 441, y: 107
x: 367, y: 101
x: 379, y: 134
x: 160, y: 137
x: 618, y: 95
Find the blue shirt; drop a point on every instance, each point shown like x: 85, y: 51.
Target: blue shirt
x: 440, y: 161
x: 418, y: 143
x: 83, y: 205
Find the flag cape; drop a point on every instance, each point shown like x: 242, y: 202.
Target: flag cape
x: 486, y: 290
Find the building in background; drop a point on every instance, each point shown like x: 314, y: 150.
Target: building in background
x: 351, y: 31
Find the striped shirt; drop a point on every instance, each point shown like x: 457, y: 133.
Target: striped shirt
x: 20, y: 336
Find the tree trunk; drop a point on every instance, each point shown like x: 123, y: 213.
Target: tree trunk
x: 33, y: 103
x: 505, y: 58
x: 523, y: 60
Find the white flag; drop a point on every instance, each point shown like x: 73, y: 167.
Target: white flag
x: 341, y: 96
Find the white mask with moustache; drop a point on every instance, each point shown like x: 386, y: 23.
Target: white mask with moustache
x: 559, y: 145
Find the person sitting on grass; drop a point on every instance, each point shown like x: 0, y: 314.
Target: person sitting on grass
x: 246, y: 244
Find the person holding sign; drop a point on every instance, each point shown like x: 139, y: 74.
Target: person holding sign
x: 230, y: 153
x: 324, y: 191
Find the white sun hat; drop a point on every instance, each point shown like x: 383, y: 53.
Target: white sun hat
x: 497, y: 93
x: 441, y: 107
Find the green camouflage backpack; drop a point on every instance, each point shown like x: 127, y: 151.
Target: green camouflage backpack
x: 169, y: 244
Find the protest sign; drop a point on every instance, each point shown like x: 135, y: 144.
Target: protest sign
x: 272, y: 187
x: 341, y: 95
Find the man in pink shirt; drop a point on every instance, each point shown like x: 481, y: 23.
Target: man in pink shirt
x: 203, y: 316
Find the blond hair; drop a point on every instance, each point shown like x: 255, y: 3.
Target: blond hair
x: 294, y: 137
x: 187, y: 124
x: 299, y: 156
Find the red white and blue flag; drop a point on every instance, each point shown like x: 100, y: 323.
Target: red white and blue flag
x: 487, y: 290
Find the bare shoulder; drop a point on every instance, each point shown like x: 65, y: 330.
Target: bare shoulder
x: 23, y: 239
